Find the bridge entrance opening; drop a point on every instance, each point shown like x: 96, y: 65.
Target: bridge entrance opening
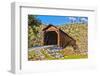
x: 50, y: 38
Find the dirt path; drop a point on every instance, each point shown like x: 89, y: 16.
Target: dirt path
x: 50, y: 50
x: 42, y: 47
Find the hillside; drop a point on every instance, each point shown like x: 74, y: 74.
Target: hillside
x: 79, y: 33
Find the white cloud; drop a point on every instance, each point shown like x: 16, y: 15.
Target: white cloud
x: 84, y: 19
x: 72, y: 18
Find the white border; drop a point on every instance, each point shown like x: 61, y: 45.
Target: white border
x: 18, y: 65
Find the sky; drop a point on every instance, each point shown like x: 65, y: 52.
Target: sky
x: 60, y: 20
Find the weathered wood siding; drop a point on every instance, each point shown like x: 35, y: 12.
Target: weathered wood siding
x: 63, y: 39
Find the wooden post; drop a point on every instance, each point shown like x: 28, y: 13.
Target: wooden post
x: 58, y: 38
x: 43, y: 37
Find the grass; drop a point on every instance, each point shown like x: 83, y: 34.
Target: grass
x: 47, y: 56
x: 75, y: 56
x: 33, y: 56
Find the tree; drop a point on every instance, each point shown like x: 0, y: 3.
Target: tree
x: 33, y: 25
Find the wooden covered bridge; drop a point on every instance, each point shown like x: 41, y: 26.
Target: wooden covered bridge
x: 52, y: 35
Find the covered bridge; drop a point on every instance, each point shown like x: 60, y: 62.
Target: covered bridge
x: 52, y: 35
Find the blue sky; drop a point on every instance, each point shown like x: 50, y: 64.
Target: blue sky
x: 60, y: 20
